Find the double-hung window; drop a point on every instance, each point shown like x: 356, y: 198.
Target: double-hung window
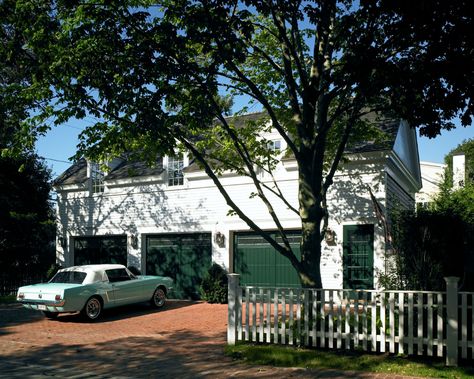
x: 175, y: 170
x: 97, y: 178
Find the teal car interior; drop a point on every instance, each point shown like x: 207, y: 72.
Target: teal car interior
x: 90, y: 289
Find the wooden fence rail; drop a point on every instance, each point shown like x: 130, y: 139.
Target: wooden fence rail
x: 426, y: 323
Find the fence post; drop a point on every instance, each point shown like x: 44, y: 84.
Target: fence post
x: 452, y: 320
x: 233, y: 303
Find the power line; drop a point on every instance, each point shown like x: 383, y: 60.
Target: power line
x: 56, y: 160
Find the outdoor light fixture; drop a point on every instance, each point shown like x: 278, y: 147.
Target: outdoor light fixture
x: 134, y: 241
x: 219, y: 239
x: 330, y: 237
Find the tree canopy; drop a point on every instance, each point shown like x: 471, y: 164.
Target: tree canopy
x: 160, y: 76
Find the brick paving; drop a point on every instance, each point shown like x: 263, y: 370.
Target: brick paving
x: 184, y: 340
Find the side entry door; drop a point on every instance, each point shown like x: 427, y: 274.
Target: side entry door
x: 358, y: 256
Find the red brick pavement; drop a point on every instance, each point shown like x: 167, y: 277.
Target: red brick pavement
x: 184, y: 340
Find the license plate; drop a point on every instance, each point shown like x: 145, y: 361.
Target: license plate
x: 41, y: 307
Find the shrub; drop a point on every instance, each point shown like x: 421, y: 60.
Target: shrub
x: 52, y: 270
x: 214, y: 285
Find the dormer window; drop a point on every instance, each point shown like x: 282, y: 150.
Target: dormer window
x: 96, y: 176
x: 175, y: 171
x: 275, y: 146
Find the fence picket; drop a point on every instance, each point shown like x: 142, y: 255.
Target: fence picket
x: 464, y: 325
x: 306, y: 316
x: 275, y: 317
x: 239, y: 314
x: 290, y: 318
x: 401, y: 323
x: 323, y: 320
x: 247, y: 320
x: 339, y: 319
x: 364, y: 320
x: 383, y: 305
x: 268, y: 314
x: 298, y: 317
x: 410, y: 324
x: 440, y: 330
x: 331, y: 320
x: 356, y: 321
x: 373, y: 327
x: 391, y: 303
x: 254, y: 315
x: 283, y: 317
x: 348, y: 316
x: 420, y: 323
x: 314, y: 318
x: 429, y: 323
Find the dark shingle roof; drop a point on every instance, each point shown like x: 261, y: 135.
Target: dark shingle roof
x: 130, y: 169
x: 385, y: 142
x: 76, y: 174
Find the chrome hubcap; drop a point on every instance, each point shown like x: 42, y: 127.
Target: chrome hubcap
x: 159, y: 297
x: 93, y: 308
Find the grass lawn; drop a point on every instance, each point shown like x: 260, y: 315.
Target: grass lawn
x: 344, y: 360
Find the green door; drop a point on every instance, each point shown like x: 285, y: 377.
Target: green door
x: 259, y: 264
x: 183, y: 257
x: 358, y: 256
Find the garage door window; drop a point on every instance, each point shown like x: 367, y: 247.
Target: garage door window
x: 97, y: 250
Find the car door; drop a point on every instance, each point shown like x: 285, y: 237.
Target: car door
x: 126, y: 288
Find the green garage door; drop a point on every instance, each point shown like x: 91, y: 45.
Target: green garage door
x: 183, y: 257
x: 259, y: 264
x: 358, y: 256
x: 103, y: 249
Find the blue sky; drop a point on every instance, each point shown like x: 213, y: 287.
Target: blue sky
x: 60, y: 144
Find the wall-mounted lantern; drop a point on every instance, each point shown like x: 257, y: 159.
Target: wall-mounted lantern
x: 134, y: 241
x: 330, y: 237
x: 219, y: 239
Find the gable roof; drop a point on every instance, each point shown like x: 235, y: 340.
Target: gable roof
x: 77, y: 173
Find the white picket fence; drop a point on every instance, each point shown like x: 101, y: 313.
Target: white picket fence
x: 407, y: 322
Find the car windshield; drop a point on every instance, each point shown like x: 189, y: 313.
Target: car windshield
x: 71, y: 277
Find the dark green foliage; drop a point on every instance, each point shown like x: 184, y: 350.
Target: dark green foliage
x: 52, y: 270
x: 430, y: 245
x: 27, y: 229
x: 214, y: 285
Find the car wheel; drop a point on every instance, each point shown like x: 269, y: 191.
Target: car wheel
x: 51, y: 315
x: 159, y: 298
x: 92, y: 309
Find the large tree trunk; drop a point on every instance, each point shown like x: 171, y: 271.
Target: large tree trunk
x: 311, y: 213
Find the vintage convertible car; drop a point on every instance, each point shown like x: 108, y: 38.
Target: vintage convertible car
x: 92, y: 288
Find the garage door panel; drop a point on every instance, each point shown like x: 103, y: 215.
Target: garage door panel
x: 184, y: 257
x: 259, y: 264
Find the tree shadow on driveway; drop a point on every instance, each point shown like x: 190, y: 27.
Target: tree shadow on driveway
x: 125, y: 312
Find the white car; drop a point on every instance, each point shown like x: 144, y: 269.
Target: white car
x: 90, y: 289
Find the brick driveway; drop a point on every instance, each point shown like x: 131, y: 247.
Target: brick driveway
x: 184, y: 340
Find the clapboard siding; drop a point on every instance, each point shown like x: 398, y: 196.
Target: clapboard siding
x: 397, y: 196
